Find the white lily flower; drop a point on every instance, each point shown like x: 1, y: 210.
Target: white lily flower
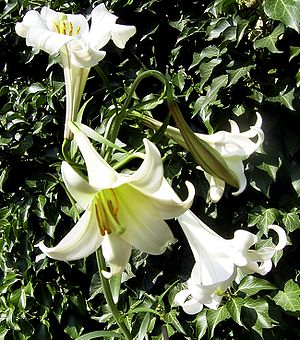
x: 79, y: 46
x: 234, y: 147
x: 121, y: 210
x: 216, y: 261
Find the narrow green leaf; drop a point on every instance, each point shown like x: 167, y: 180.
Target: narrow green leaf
x: 144, y: 327
x: 201, y: 324
x: 100, y: 334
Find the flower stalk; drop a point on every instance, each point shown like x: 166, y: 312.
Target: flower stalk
x: 108, y: 295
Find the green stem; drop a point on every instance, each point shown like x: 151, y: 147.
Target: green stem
x: 108, y: 295
x: 117, y: 120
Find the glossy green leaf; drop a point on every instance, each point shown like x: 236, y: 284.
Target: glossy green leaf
x: 289, y: 299
x: 286, y: 11
x: 214, y: 317
x: 251, y: 285
x: 270, y: 41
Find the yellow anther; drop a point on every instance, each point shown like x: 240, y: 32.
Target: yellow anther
x: 63, y: 28
x: 70, y: 31
x: 77, y: 30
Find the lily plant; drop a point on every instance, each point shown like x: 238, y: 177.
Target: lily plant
x: 121, y: 210
x: 78, y: 44
x: 234, y: 147
x: 217, y: 260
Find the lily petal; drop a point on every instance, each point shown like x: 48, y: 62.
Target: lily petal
x: 79, y: 188
x: 46, y: 40
x: 82, y: 55
x: 83, y: 239
x: 116, y: 252
x: 101, y: 175
x: 150, y: 174
x: 31, y: 19
x: 216, y: 187
x: 143, y: 224
x: 121, y: 34
x: 188, y: 303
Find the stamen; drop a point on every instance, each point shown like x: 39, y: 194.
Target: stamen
x: 63, y: 28
x: 56, y: 26
x: 77, y: 30
x: 70, y: 32
x: 107, y: 207
x: 100, y: 222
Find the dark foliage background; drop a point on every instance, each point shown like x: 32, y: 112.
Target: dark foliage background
x: 227, y: 59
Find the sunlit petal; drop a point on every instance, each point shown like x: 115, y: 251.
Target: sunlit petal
x: 168, y: 203
x: 100, y: 174
x: 47, y: 41
x: 78, y: 187
x: 82, y: 240
x: 121, y: 34
x: 116, y: 252
x: 188, y: 303
x: 216, y: 187
x: 148, y: 177
x: 82, y: 55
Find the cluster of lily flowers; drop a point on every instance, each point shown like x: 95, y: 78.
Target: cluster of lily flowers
x: 122, y: 210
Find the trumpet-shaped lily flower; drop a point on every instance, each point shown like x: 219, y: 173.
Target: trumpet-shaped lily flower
x: 78, y: 44
x: 121, y: 210
x: 234, y: 147
x: 216, y: 261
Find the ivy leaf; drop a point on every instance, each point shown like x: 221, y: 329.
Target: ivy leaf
x: 236, y: 74
x: 269, y: 42
x: 270, y: 169
x: 285, y: 98
x: 201, y: 323
x: 286, y: 11
x: 263, y: 218
x: 202, y: 105
x: 205, y: 71
x: 255, y: 314
x: 214, y: 317
x: 291, y: 221
x: 252, y: 285
x: 234, y: 308
x: 289, y: 299
x: 294, y: 52
x: 295, y: 177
